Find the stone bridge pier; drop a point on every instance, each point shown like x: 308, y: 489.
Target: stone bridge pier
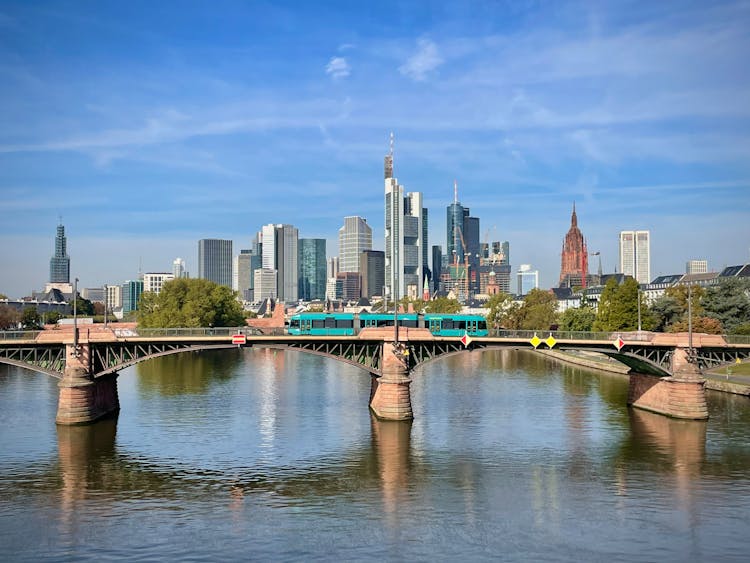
x: 683, y: 395
x: 83, y: 398
x: 390, y: 395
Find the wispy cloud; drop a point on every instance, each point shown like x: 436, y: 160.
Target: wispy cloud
x: 337, y: 68
x: 423, y: 62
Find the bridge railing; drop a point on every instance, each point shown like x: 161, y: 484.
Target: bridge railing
x: 737, y: 339
x: 184, y: 332
x: 19, y: 334
x: 570, y: 335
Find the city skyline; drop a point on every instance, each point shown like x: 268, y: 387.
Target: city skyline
x: 145, y: 142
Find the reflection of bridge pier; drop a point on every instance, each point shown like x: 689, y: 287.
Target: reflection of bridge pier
x: 392, y: 445
x: 83, y: 398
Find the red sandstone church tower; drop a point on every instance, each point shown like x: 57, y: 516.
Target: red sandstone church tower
x: 575, y: 263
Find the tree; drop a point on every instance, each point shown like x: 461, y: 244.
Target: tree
x: 666, y: 310
x: 9, y: 317
x: 84, y: 307
x: 729, y: 302
x: 618, y: 307
x: 442, y: 305
x: 187, y: 302
x: 706, y: 325
x: 30, y: 319
x: 499, y: 305
x: 52, y: 317
x: 579, y: 319
x: 538, y: 312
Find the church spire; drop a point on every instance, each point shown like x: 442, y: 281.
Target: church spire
x: 574, y: 217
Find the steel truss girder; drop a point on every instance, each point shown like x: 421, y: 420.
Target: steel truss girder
x: 708, y: 358
x: 426, y: 351
x: 45, y: 359
x: 364, y: 354
x: 112, y: 357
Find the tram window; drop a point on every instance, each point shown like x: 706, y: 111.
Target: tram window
x: 318, y: 323
x: 447, y: 324
x: 408, y: 323
x: 383, y: 322
x: 330, y: 322
x: 482, y: 325
x: 461, y: 325
x: 344, y: 323
x: 294, y: 323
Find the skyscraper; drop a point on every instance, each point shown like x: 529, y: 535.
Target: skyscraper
x: 354, y: 238
x: 528, y: 279
x: 437, y: 267
x: 59, y: 264
x: 635, y: 255
x: 242, y: 274
x: 372, y: 270
x: 574, y: 266
x: 312, y: 268
x: 215, y: 261
x: 178, y: 268
x: 280, y: 253
x: 404, y: 216
x: 131, y: 294
x: 462, y: 238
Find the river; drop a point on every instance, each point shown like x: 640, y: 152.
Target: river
x: 261, y: 454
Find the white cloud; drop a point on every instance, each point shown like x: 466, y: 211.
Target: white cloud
x: 337, y: 68
x: 420, y: 64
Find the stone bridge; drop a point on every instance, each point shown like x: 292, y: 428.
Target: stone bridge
x: 665, y: 372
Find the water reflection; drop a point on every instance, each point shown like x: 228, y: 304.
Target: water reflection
x: 189, y: 372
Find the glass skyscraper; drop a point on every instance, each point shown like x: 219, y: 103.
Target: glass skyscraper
x: 312, y: 268
x: 59, y: 264
x: 215, y: 261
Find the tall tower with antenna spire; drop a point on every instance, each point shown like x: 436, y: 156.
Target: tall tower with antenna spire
x: 405, y: 227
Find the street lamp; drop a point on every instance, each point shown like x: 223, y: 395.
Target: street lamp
x: 75, y: 316
x: 106, y: 301
x: 639, y: 308
x: 690, y: 318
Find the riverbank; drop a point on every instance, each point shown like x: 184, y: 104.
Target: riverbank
x: 726, y: 380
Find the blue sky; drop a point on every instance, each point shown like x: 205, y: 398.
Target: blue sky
x: 148, y: 126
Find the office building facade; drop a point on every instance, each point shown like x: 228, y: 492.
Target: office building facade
x: 312, y: 268
x: 280, y: 253
x: 372, y: 272
x: 528, y: 279
x: 215, y: 261
x: 131, y: 294
x: 154, y: 281
x: 635, y: 255
x: 354, y: 238
x: 59, y: 264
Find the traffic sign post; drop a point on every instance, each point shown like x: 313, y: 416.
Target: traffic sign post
x: 239, y: 339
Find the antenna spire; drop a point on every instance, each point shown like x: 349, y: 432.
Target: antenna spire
x: 455, y: 191
x: 391, y: 146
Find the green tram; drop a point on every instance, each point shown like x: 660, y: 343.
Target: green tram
x: 349, y: 324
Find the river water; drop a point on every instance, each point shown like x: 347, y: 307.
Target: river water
x: 258, y: 455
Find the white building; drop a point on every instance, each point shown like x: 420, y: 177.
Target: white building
x: 528, y: 279
x: 178, y: 268
x: 404, y: 232
x: 265, y: 282
x: 696, y: 267
x: 280, y: 254
x: 114, y: 296
x: 354, y: 238
x: 154, y: 281
x: 635, y: 255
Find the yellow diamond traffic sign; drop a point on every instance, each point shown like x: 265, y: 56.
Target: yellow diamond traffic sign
x: 535, y: 341
x: 550, y: 341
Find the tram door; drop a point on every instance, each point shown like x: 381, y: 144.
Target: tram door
x: 435, y: 326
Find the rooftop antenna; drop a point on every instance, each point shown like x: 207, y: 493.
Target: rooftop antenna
x: 455, y: 191
x: 390, y: 152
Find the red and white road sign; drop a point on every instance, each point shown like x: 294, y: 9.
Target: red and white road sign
x: 239, y: 339
x: 466, y: 339
x: 619, y: 343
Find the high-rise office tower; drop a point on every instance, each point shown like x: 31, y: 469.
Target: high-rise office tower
x: 696, y: 267
x: 280, y: 253
x: 372, y: 271
x: 154, y: 281
x: 528, y: 279
x: 635, y: 255
x: 131, y: 294
x: 574, y: 267
x: 462, y: 237
x: 242, y: 274
x: 215, y: 261
x: 178, y: 268
x: 312, y: 268
x: 59, y: 264
x: 354, y: 238
x: 437, y: 266
x: 404, y: 216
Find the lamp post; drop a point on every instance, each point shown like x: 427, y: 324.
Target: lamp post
x: 106, y: 302
x: 75, y: 316
x: 690, y: 319
x: 639, y: 308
